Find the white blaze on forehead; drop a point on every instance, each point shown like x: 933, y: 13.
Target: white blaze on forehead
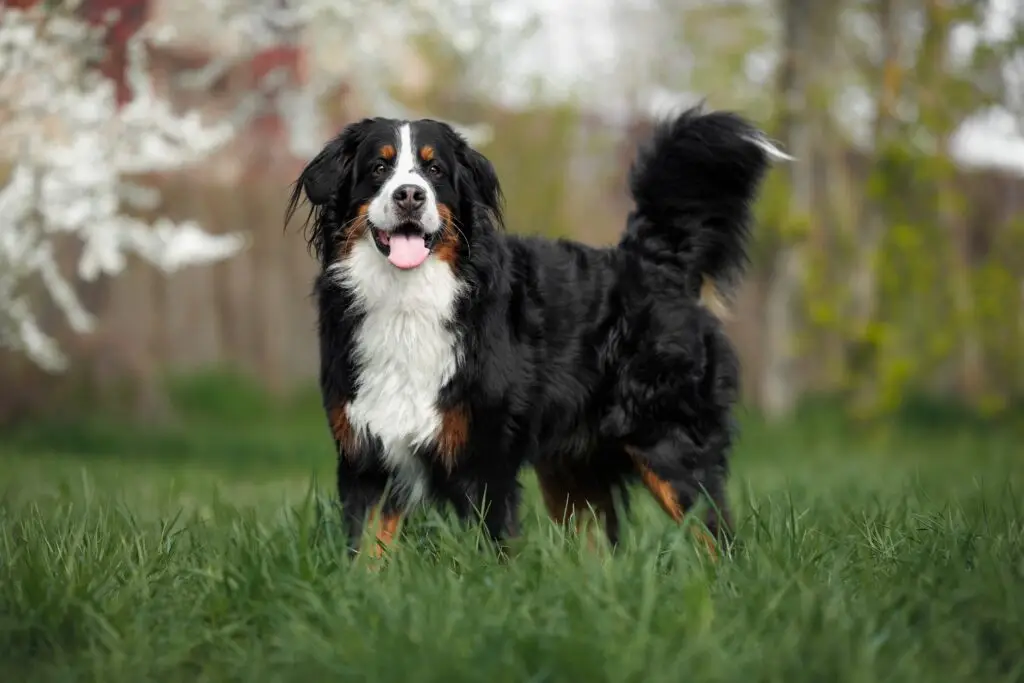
x: 382, y: 213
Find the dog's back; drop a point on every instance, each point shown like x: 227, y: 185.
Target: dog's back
x: 668, y: 375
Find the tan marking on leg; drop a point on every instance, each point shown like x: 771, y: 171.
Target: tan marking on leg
x: 665, y: 494
x: 385, y: 529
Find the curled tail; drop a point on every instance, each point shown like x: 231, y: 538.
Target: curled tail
x: 693, y: 183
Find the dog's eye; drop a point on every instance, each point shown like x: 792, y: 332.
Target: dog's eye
x: 378, y: 169
x: 435, y: 171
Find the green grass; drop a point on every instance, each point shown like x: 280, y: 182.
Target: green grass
x: 208, y: 550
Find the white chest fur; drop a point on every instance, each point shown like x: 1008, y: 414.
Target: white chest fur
x: 405, y: 353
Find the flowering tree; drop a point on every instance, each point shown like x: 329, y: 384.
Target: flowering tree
x: 70, y: 142
x: 80, y: 123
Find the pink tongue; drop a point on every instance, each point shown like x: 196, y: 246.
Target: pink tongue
x: 407, y: 251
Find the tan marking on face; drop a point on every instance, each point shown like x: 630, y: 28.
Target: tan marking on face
x: 447, y: 247
x: 352, y: 231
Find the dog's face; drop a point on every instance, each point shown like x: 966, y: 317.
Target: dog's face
x: 410, y: 187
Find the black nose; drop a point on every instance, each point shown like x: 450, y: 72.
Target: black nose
x: 409, y: 198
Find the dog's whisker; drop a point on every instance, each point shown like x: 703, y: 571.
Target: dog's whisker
x: 455, y: 224
x: 351, y: 233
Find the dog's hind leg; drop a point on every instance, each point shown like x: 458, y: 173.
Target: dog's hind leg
x: 571, y: 496
x: 676, y: 486
x: 718, y: 517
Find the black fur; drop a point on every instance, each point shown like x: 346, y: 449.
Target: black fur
x: 588, y: 363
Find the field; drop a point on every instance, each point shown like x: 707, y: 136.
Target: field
x: 206, y: 550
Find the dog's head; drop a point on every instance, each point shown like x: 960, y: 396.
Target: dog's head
x: 416, y: 189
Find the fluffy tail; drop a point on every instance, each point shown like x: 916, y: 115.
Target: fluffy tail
x: 693, y: 184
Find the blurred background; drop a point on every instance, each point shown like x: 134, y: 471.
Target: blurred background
x: 163, y: 449
x: 888, y: 259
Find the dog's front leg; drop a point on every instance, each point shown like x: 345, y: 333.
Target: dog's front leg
x: 495, y: 502
x: 361, y: 494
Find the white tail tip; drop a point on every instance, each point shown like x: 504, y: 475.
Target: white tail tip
x: 770, y: 149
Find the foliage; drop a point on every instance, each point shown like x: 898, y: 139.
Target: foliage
x: 535, y: 158
x: 942, y: 315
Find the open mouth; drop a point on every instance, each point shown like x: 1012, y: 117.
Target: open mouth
x: 407, y: 246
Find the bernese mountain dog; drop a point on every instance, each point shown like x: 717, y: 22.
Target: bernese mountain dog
x: 453, y: 354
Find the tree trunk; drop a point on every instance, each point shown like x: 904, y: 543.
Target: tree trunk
x: 780, y: 385
x: 972, y: 360
x: 938, y: 26
x: 864, y: 285
x: 830, y: 190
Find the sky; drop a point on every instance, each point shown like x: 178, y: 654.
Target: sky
x: 575, y: 43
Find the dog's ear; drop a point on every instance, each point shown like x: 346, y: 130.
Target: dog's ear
x: 323, y: 176
x: 478, y: 174
x: 326, y: 179
x: 485, y: 182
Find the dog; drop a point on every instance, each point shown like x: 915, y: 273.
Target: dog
x: 454, y: 354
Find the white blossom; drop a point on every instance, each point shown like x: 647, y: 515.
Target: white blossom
x: 67, y: 152
x: 69, y: 156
